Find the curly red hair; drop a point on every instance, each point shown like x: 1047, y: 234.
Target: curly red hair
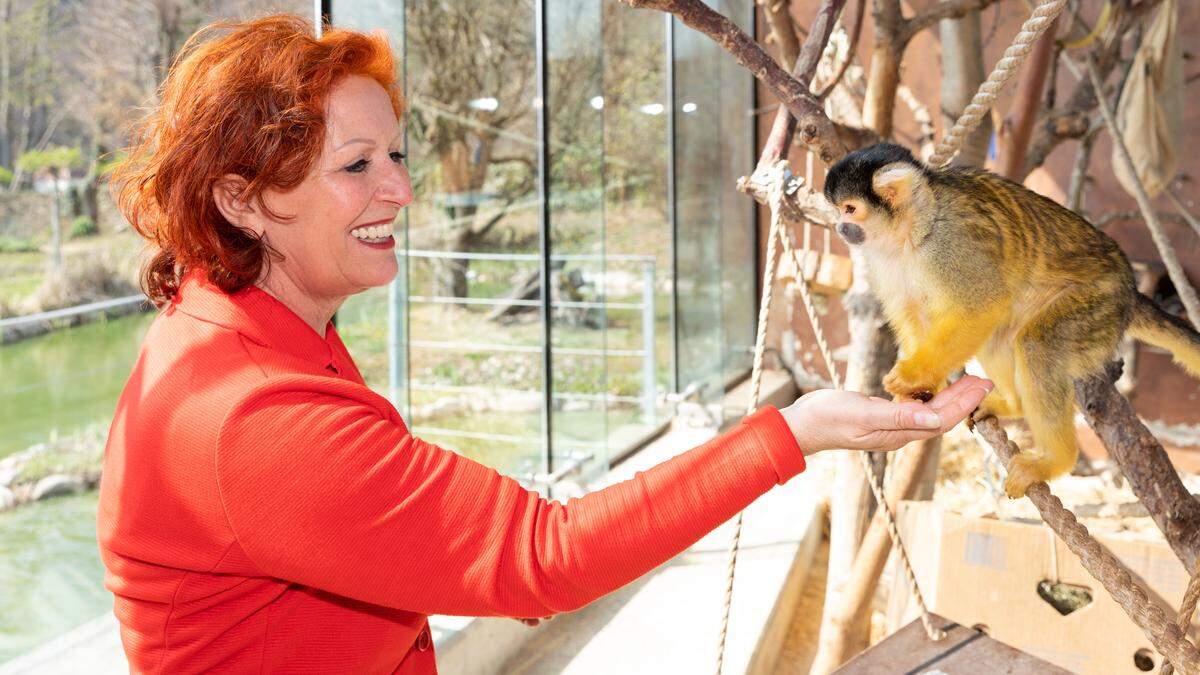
x: 249, y: 102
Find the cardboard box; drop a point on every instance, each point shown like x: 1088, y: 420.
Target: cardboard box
x: 985, y: 573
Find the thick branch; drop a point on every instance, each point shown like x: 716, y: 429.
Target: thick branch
x: 948, y: 9
x: 818, y: 37
x: 1143, y: 461
x: 780, y: 21
x: 784, y: 127
x: 750, y: 55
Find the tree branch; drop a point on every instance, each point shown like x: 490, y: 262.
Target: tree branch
x: 1143, y: 461
x: 854, y: 35
x: 949, y: 9
x: 782, y: 29
x: 749, y: 54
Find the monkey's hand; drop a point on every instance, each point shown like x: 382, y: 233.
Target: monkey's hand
x: 907, y: 383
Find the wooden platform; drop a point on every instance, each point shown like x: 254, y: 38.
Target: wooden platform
x: 964, y: 651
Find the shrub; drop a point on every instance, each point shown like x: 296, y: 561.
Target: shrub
x: 83, y: 226
x: 6, y: 176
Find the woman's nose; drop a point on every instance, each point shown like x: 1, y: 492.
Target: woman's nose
x: 396, y: 186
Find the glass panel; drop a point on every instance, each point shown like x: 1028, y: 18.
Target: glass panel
x: 579, y: 329
x: 714, y: 238
x: 738, y: 260
x: 63, y: 245
x: 700, y: 339
x: 637, y: 222
x: 471, y: 352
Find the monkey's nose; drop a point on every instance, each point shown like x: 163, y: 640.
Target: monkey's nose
x: 853, y: 234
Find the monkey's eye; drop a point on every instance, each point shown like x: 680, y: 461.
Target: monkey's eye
x: 849, y: 209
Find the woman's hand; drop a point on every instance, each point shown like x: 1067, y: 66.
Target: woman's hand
x: 827, y: 419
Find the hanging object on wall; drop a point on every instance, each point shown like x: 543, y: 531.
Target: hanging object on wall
x: 1150, y: 113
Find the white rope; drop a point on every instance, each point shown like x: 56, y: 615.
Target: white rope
x: 1006, y: 67
x: 755, y: 385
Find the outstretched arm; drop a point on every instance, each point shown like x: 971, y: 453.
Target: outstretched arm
x: 324, y: 486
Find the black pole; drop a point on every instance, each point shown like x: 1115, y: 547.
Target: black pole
x: 543, y: 126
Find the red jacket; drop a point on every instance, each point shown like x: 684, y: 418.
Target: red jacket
x: 262, y: 510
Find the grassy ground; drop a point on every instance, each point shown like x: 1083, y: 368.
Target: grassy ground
x: 23, y: 272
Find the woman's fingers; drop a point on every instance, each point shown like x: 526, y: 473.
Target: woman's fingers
x: 889, y: 416
x: 957, y: 401
x: 946, y: 409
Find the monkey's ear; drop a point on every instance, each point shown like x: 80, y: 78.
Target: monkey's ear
x: 894, y: 183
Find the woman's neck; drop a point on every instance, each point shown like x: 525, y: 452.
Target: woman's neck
x: 313, y: 309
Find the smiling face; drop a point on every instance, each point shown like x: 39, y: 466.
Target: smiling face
x: 339, y: 241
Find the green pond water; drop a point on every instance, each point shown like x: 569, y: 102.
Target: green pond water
x: 50, y: 572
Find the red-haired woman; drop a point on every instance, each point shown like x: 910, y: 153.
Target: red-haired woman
x: 263, y: 510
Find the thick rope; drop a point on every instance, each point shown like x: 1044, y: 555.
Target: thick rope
x: 1006, y: 67
x: 1187, y: 607
x: 1102, y: 564
x: 764, y: 310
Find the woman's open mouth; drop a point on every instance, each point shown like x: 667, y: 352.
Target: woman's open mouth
x: 375, y: 236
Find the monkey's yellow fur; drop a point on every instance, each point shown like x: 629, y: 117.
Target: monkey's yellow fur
x: 969, y: 264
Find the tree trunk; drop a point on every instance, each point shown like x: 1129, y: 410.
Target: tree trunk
x: 962, y: 73
x: 56, y: 266
x: 6, y: 150
x: 884, y: 76
x: 873, y: 351
x: 863, y: 574
x: 1018, y: 125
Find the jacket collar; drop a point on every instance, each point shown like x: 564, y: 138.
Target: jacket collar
x: 257, y: 315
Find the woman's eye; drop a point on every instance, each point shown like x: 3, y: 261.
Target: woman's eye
x: 358, y: 166
x: 397, y: 156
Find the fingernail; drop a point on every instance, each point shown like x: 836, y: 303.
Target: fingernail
x: 928, y: 420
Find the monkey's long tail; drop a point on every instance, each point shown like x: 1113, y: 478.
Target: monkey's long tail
x: 1154, y: 325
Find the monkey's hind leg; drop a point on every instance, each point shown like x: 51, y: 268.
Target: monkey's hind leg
x: 1048, y: 400
x: 1002, y: 402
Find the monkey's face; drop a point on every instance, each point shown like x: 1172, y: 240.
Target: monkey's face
x: 868, y: 187
x: 861, y: 220
x: 851, y: 226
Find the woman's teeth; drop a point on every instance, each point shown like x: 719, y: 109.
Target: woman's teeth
x: 372, y: 232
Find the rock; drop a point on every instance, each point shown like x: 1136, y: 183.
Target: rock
x: 7, y: 474
x: 55, y: 485
x: 7, y: 499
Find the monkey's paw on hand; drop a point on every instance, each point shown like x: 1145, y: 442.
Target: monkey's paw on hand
x: 905, y: 383
x: 829, y: 418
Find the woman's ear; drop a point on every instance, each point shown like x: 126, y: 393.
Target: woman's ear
x: 226, y: 192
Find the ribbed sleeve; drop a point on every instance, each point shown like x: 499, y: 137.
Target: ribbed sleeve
x: 323, y: 485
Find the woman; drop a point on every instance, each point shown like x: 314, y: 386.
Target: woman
x: 261, y: 509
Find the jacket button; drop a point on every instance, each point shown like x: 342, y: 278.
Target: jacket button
x: 424, y: 641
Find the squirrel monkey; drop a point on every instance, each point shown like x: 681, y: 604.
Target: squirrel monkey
x: 969, y: 264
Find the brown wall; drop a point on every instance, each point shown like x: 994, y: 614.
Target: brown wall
x: 1164, y: 392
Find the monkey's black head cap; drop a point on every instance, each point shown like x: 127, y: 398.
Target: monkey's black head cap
x: 851, y: 175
